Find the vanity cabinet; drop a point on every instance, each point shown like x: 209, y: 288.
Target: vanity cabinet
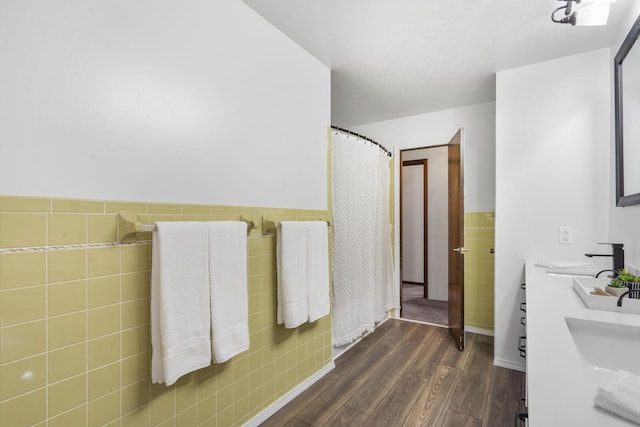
x: 560, y: 381
x: 522, y: 339
x: 521, y: 416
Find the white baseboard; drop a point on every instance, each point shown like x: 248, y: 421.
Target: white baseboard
x: 509, y: 364
x: 339, y: 351
x: 278, y: 404
x: 478, y: 331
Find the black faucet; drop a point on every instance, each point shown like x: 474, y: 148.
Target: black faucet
x: 603, y: 271
x: 624, y: 294
x: 617, y: 255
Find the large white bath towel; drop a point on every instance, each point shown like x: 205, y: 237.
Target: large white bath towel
x: 318, y: 270
x: 564, y: 264
x: 621, y: 395
x: 229, y: 297
x: 293, y: 306
x: 180, y: 314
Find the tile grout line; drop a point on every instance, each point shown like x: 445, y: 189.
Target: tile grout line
x: 86, y: 309
x: 86, y: 325
x: 46, y: 314
x: 120, y: 336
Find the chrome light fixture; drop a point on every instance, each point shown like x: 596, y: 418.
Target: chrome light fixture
x: 584, y: 12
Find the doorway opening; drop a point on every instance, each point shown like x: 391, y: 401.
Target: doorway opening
x: 431, y: 236
x: 423, y: 193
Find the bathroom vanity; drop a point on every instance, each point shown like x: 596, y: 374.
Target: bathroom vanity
x: 571, y: 351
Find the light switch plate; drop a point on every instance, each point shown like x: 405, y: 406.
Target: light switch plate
x: 566, y: 235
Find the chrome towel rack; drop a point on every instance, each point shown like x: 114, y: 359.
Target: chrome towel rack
x: 129, y: 226
x: 269, y: 226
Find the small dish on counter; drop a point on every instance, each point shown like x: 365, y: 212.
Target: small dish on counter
x: 615, y: 291
x: 583, y: 286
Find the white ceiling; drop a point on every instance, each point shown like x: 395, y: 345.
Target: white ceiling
x: 393, y: 59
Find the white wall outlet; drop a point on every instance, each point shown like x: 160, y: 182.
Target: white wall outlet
x: 566, y: 235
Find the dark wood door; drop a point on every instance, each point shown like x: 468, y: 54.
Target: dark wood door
x: 456, y: 240
x: 425, y: 228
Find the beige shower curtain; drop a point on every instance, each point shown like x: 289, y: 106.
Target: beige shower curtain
x: 363, y: 292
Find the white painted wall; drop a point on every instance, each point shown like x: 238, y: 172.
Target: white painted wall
x: 437, y: 211
x: 436, y: 128
x: 190, y: 102
x: 552, y: 170
x: 624, y: 222
x: 413, y: 223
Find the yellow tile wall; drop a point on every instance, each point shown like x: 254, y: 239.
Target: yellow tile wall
x: 479, y: 228
x: 74, y: 322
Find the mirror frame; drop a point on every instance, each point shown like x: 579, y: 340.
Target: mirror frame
x: 621, y: 198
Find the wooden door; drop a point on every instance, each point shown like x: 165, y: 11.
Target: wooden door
x: 456, y: 240
x: 400, y: 261
x: 425, y: 228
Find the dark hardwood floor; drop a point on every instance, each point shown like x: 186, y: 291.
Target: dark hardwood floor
x: 408, y: 374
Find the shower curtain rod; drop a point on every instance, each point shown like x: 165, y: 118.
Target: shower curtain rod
x: 362, y: 137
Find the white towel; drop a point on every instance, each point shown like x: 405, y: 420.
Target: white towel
x: 291, y: 256
x: 180, y: 319
x: 564, y: 264
x: 621, y: 396
x: 318, y: 270
x: 228, y: 281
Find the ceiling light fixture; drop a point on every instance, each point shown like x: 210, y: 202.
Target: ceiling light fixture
x: 591, y: 12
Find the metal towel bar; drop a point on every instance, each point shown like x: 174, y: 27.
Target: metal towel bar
x: 270, y: 225
x: 129, y: 226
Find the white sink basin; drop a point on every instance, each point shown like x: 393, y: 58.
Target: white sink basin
x: 606, y: 346
x: 583, y: 287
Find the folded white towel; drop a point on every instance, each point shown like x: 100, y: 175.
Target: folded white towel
x: 318, y: 270
x: 564, y: 264
x: 621, y: 396
x: 291, y: 256
x: 228, y: 279
x: 180, y: 313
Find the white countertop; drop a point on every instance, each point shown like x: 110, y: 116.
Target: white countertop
x: 560, y: 386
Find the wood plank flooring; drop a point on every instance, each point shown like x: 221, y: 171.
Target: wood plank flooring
x: 410, y: 374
